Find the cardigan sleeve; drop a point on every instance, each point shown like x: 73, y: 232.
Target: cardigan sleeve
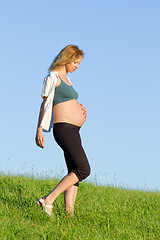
x: 46, y: 86
x: 48, y: 90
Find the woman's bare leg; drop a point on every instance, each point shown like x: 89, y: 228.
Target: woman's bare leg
x: 62, y: 186
x: 69, y: 199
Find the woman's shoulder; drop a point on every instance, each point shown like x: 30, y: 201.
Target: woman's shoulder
x: 49, y: 82
x: 51, y: 77
x: 53, y: 73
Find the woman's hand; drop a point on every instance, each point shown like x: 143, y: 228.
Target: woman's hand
x: 84, y: 111
x: 39, y: 138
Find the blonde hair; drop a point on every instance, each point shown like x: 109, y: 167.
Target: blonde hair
x: 67, y: 55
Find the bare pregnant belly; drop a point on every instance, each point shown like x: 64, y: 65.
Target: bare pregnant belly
x: 69, y: 112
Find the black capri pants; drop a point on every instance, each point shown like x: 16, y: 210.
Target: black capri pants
x: 68, y: 138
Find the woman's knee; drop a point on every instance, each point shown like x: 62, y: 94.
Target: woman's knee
x: 88, y: 171
x: 85, y: 172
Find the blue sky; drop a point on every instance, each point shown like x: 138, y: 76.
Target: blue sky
x: 118, y: 82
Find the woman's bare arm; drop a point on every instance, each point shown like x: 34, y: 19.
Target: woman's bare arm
x: 39, y: 134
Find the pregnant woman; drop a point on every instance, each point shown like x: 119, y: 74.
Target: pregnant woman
x: 61, y: 110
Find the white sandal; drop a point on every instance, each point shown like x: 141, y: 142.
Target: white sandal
x: 44, y: 206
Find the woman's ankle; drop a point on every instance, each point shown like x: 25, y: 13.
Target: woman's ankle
x: 47, y: 201
x: 69, y: 209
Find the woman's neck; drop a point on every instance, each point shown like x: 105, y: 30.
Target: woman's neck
x: 62, y: 71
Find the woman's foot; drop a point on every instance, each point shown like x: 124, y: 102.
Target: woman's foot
x: 47, y: 207
x: 70, y: 211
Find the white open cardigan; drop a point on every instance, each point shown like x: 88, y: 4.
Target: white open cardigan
x: 48, y: 91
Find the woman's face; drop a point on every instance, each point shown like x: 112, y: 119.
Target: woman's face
x: 71, y: 67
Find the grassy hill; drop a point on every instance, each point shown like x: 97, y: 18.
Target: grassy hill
x: 100, y: 212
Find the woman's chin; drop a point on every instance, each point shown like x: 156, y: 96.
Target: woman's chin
x: 71, y: 71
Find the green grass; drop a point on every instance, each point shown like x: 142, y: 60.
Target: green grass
x: 100, y: 212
